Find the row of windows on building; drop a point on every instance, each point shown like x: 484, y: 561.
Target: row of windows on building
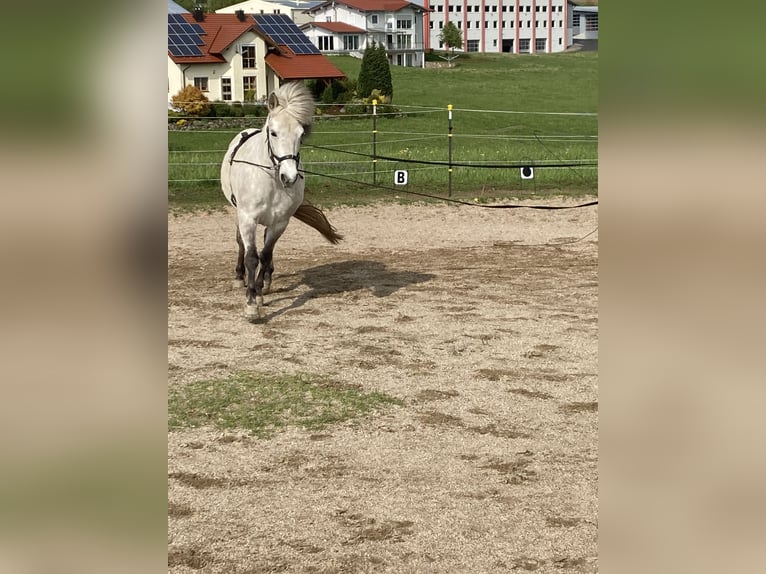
x: 477, y: 8
x: 327, y: 43
x: 541, y: 45
x: 248, y: 84
x: 506, y: 24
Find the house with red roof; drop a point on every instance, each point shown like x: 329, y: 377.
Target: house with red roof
x: 240, y: 57
x: 346, y: 26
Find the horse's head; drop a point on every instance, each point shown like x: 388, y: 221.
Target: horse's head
x: 284, y: 134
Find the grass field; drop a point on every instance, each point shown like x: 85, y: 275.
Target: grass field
x: 508, y: 109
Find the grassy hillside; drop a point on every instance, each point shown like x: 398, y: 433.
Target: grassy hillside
x: 492, y: 95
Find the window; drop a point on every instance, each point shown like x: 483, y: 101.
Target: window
x: 528, y: 8
x: 403, y: 24
x: 459, y: 24
x: 537, y: 8
x: 430, y: 24
x: 458, y: 8
x: 451, y: 8
x: 545, y: 8
x: 201, y: 83
x: 248, y: 84
x: 248, y: 57
x: 374, y: 18
x: 494, y: 43
x: 467, y: 24
x: 326, y: 43
x: 494, y: 23
x: 468, y: 8
x: 494, y: 8
x: 440, y: 8
x: 523, y: 45
x: 441, y: 25
x: 350, y: 43
x: 591, y: 22
x: 540, y: 44
x: 473, y: 45
x: 226, y: 89
x: 486, y: 23
x: 403, y: 42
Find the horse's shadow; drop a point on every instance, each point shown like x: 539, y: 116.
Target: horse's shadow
x: 344, y: 277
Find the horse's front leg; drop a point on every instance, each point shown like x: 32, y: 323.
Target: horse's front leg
x: 254, y: 304
x: 270, y: 237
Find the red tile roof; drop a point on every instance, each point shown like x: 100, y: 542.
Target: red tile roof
x: 221, y: 31
x: 336, y: 27
x: 302, y: 67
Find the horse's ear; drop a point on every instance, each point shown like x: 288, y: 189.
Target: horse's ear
x: 273, y: 101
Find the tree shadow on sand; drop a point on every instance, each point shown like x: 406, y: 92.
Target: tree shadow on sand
x: 347, y: 276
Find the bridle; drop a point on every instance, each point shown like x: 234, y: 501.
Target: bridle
x: 276, y: 160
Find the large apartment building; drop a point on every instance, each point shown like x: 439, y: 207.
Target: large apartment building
x: 514, y: 26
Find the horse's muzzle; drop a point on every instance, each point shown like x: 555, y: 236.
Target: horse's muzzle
x: 288, y: 181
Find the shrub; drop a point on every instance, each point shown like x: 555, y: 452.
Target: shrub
x: 192, y: 101
x: 328, y: 97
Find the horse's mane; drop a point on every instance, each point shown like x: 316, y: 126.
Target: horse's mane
x: 296, y: 100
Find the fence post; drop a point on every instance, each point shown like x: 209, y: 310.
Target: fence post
x: 449, y: 139
x: 374, y: 141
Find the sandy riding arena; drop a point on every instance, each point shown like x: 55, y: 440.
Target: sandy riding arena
x: 480, y: 324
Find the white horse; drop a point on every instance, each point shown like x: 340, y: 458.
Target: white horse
x: 261, y: 176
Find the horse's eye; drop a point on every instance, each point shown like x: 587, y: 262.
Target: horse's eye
x: 273, y: 134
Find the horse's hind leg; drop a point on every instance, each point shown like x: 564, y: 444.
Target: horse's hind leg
x: 240, y: 270
x: 267, y: 263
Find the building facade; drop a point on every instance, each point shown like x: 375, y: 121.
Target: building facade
x: 396, y: 24
x: 513, y: 26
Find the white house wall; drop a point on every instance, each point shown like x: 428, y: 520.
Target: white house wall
x: 180, y: 75
x: 377, y: 32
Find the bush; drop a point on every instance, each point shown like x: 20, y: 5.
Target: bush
x: 192, y: 101
x: 328, y: 97
x: 221, y: 110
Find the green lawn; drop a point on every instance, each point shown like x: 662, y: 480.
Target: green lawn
x: 486, y: 91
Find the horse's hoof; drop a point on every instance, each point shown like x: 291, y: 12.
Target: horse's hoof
x: 238, y: 284
x: 253, y: 312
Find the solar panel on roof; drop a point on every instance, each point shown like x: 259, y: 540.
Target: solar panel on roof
x: 183, y: 37
x: 284, y: 31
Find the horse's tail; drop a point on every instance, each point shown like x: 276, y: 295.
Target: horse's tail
x: 313, y: 217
